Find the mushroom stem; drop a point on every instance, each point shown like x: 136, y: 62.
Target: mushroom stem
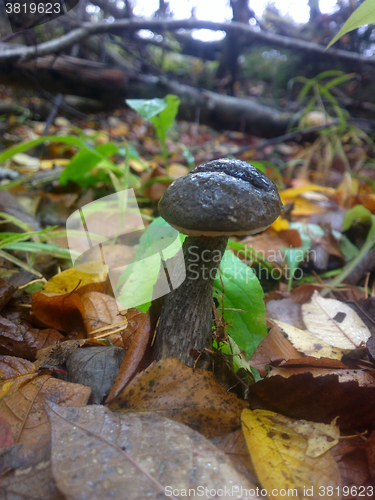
x: 186, y: 319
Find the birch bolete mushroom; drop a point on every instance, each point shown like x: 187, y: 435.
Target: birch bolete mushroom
x: 216, y: 200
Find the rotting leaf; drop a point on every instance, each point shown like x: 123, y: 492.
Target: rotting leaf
x: 318, y: 394
x: 6, y: 292
x: 192, y: 397
x: 278, y: 451
x: 95, y: 367
x: 57, y: 355
x: 21, y: 340
x: 137, y: 454
x: 14, y: 372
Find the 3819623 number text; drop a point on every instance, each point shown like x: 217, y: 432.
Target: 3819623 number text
x: 33, y: 8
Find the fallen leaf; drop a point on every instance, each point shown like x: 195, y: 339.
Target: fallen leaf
x: 97, y: 454
x: 100, y: 311
x: 21, y: 340
x: 275, y: 347
x: 192, y: 397
x: 6, y: 292
x: 234, y: 445
x: 57, y: 355
x: 95, y: 367
x: 318, y: 394
x: 76, y: 278
x: 6, y: 436
x: 278, y: 452
x: 335, y: 322
x: 135, y: 339
x: 63, y: 312
x: 309, y: 343
x: 14, y: 372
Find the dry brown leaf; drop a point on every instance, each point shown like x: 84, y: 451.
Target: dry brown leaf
x: 318, y: 394
x: 275, y: 347
x: 21, y: 340
x: 99, y: 454
x: 57, y: 355
x: 101, y: 310
x: 135, y: 338
x: 192, y: 397
x: 354, y: 466
x: 6, y: 292
x: 63, y: 312
x: 14, y: 372
x: 234, y: 445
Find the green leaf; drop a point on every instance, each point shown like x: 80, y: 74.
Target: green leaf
x: 365, y: 14
x: 294, y: 256
x: 163, y: 120
x: 147, y: 108
x: 71, y: 140
x: 242, y: 291
x: 86, y: 160
x: 359, y: 213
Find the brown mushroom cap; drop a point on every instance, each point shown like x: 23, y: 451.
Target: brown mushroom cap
x: 221, y: 198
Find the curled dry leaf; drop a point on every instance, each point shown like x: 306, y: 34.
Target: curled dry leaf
x: 97, y: 454
x: 278, y: 447
x: 192, y: 397
x: 335, y: 322
x: 135, y: 339
x: 102, y: 311
x: 274, y: 348
x: 20, y: 339
x: 318, y: 394
x: 14, y: 372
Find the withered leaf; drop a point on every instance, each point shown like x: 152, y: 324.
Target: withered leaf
x: 20, y: 339
x: 95, y: 367
x: 63, y: 312
x: 58, y: 354
x: 135, y: 339
x: 99, y: 454
x: 275, y: 347
x: 318, y: 394
x: 192, y: 397
x: 14, y: 372
x: 6, y: 292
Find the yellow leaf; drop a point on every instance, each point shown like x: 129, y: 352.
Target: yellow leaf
x: 278, y: 452
x: 310, y: 344
x: 76, y: 277
x: 280, y: 224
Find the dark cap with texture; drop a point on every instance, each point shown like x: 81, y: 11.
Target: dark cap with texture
x: 222, y: 197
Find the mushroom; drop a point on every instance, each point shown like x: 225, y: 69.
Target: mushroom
x: 216, y: 200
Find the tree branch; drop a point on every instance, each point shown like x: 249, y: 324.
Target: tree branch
x: 12, y: 54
